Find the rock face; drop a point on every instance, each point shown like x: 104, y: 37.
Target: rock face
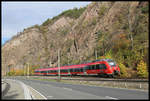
x: 76, y: 38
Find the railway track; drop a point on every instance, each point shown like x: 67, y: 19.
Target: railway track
x: 91, y: 78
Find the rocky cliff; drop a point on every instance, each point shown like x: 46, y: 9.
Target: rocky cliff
x: 100, y: 27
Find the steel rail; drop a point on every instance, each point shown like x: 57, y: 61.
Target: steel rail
x: 94, y: 79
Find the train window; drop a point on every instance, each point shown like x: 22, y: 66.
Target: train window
x: 90, y: 67
x: 53, y: 71
x: 100, y: 66
x: 75, y: 70
x: 64, y: 70
x: 78, y: 69
x: 87, y: 68
x: 93, y: 67
x: 97, y: 66
x: 71, y: 70
x: 81, y: 69
x: 43, y: 71
x: 103, y: 66
x: 112, y: 63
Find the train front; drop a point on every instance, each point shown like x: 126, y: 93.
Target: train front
x: 114, y: 67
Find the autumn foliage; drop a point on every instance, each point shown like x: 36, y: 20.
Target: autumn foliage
x: 142, y: 69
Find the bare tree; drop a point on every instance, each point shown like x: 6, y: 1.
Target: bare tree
x: 132, y: 22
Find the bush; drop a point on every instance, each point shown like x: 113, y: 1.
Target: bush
x: 107, y: 55
x: 102, y: 11
x: 73, y: 13
x: 123, y: 71
x: 142, y: 69
x: 48, y: 21
x: 19, y: 72
x: 11, y: 73
x: 144, y: 9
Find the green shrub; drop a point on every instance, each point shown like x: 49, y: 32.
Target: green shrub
x: 102, y: 11
x: 64, y: 31
x: 11, y: 73
x: 46, y: 22
x: 73, y: 13
x: 107, y: 55
x: 145, y: 9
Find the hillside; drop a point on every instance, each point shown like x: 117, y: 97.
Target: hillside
x: 117, y: 30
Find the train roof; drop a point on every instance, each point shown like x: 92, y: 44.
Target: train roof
x: 63, y: 67
x: 74, y: 66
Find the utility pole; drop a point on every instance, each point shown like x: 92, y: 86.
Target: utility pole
x: 24, y: 70
x: 96, y: 54
x: 59, y: 65
x: 28, y: 70
x: 68, y: 59
x: 7, y: 71
x: 50, y: 64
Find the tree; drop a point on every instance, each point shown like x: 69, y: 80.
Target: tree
x: 142, y: 69
x: 123, y: 71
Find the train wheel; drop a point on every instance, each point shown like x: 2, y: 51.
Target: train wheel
x: 112, y: 76
x: 99, y: 75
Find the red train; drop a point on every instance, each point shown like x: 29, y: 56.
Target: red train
x: 100, y: 67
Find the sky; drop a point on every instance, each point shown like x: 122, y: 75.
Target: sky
x: 17, y: 16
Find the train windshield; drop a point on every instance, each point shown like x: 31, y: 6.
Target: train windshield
x: 112, y: 63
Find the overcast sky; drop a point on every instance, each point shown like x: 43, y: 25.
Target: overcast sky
x: 17, y: 16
